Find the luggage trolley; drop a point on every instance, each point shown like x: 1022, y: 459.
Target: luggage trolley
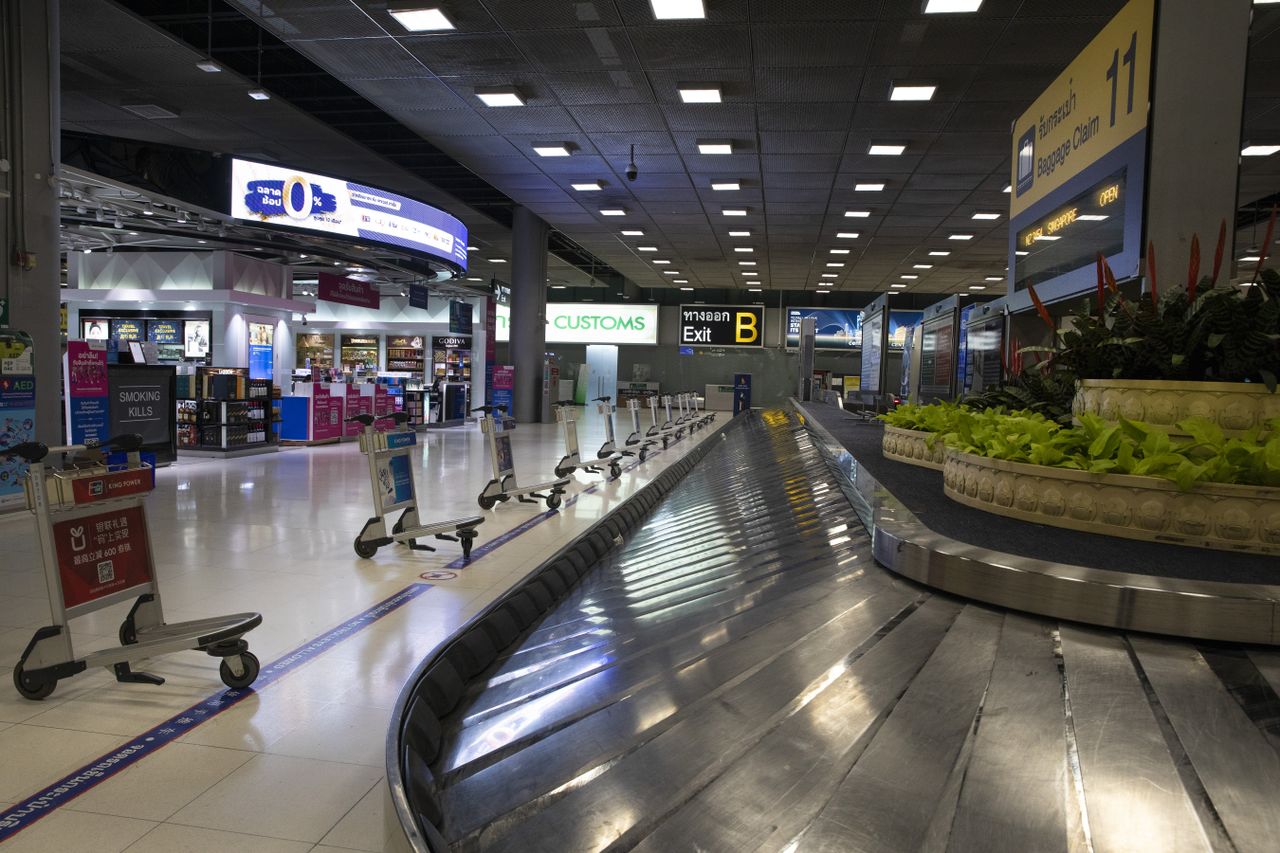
x: 637, y: 435
x: 572, y: 459
x: 503, y: 486
x: 609, y: 450
x: 663, y: 431
x: 391, y: 478
x: 96, y: 550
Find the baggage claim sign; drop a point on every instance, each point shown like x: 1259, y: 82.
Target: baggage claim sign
x: 1079, y: 155
x: 722, y: 325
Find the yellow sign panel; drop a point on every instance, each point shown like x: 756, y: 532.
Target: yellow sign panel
x: 1097, y: 103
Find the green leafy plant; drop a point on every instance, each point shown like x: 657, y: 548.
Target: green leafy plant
x: 1045, y: 391
x: 934, y: 417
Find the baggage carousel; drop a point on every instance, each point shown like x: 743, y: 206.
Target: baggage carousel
x: 737, y: 673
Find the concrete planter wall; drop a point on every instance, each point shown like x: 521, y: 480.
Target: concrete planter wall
x: 912, y: 446
x: 1234, y: 406
x: 1223, y: 517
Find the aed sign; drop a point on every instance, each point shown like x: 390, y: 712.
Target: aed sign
x: 590, y: 323
x: 722, y: 325
x: 1096, y: 104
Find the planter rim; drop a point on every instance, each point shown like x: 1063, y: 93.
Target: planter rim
x: 1131, y: 481
x: 1175, y: 385
x: 918, y: 433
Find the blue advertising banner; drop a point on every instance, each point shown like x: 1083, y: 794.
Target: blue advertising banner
x: 395, y: 481
x: 289, y: 198
x: 260, y: 358
x: 17, y: 407
x: 164, y: 331
x: 837, y: 328
x: 899, y: 323
x: 396, y: 440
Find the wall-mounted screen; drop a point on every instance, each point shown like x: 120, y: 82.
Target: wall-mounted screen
x: 837, y: 328
x: 261, y: 350
x: 288, y: 198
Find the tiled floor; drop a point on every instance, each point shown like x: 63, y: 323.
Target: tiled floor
x: 298, y: 766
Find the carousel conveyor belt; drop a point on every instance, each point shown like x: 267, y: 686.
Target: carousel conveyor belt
x: 739, y: 675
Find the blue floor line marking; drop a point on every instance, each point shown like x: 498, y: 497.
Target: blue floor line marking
x: 66, y: 789
x: 520, y: 529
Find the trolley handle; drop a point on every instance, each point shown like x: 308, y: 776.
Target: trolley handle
x: 363, y: 420
x: 490, y: 409
x: 602, y: 399
x: 564, y: 403
x: 28, y: 451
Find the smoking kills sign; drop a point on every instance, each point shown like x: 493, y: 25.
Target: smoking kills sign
x: 722, y: 325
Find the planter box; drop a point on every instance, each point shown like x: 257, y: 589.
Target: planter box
x: 1223, y: 517
x: 1234, y: 406
x: 911, y: 446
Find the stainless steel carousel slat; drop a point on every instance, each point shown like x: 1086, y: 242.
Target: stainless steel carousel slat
x: 1018, y: 792
x: 889, y: 799
x: 771, y: 794
x: 1134, y: 797
x: 1224, y: 745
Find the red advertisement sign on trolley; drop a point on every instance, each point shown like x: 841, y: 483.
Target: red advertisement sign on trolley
x: 100, y: 555
x: 116, y: 484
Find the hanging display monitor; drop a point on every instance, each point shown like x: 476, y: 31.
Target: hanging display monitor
x: 288, y: 198
x: 837, y: 328
x: 875, y: 328
x: 984, y: 367
x: 938, y: 351
x: 722, y: 325
x: 1078, y: 164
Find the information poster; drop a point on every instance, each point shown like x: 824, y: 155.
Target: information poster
x: 261, y: 351
x: 326, y: 414
x: 100, y: 555
x: 17, y: 407
x: 490, y: 346
x: 197, y: 339
x: 141, y: 402
x: 357, y: 404
x: 86, y: 389
x: 395, y: 481
x: 504, y: 383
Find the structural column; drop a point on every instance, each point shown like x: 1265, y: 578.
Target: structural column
x: 29, y: 270
x: 528, y: 312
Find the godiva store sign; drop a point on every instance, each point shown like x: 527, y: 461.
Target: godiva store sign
x: 591, y: 323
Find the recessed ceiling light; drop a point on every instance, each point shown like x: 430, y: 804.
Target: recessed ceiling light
x: 558, y: 150
x: 922, y: 266
x: 960, y: 237
x: 734, y: 211
x: 500, y: 96
x: 699, y: 93
x: 1007, y: 188
x: 631, y: 232
x: 687, y: 289
x: 950, y: 7
x: 202, y: 242
x: 857, y: 214
x: 753, y: 290
x: 671, y: 272
x: 911, y: 91
x: 208, y: 66
x: 739, y: 233
x: 259, y: 94
x: 836, y: 265
x: 743, y: 249
x: 557, y: 287
x: 749, y: 272
x: 908, y: 276
x: 726, y: 186
x: 1020, y: 253
x: 848, y: 235
x: 1092, y: 217
x: 669, y: 10
x: 1259, y: 150
x: 839, y: 251
x: 831, y: 275
x: 977, y: 287
x: 897, y: 286
x: 612, y: 211
x: 995, y: 278
x: 746, y: 263
x: 985, y: 215
x: 680, y: 281
x: 939, y: 253
x: 591, y: 187
x: 714, y: 146
x: 868, y: 188
x: 661, y: 261
x: 497, y: 260
x: 418, y: 16
x: 886, y: 150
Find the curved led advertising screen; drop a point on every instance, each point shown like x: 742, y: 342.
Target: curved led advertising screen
x: 283, y: 197
x: 835, y: 328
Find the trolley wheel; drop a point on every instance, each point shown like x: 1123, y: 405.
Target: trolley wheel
x: 486, y: 502
x: 615, y: 470
x: 128, y: 634
x: 563, y: 472
x: 553, y: 500
x: 644, y: 453
x: 32, y: 687
x: 251, y: 667
x: 364, y: 550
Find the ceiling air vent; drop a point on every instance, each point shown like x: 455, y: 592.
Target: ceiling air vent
x: 150, y: 110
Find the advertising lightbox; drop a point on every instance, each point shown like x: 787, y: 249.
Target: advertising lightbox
x: 837, y: 328
x: 287, y: 198
x: 590, y: 323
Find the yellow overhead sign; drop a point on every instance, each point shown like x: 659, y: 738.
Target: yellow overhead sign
x: 1097, y: 103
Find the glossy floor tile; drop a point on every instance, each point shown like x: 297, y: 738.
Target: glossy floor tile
x: 299, y: 763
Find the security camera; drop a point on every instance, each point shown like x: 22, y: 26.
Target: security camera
x: 633, y: 171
